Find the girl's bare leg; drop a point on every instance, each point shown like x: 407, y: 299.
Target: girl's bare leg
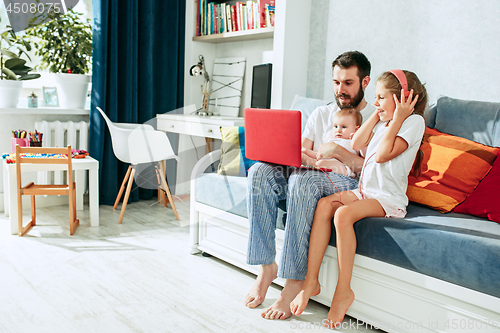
x: 344, y: 219
x: 318, y: 241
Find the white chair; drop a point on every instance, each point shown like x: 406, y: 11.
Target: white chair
x: 135, y: 144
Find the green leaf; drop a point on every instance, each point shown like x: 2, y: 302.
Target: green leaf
x: 8, y: 53
x: 29, y: 77
x: 15, y: 63
x: 9, y: 74
x: 26, y: 44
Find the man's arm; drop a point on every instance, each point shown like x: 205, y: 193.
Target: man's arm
x: 306, y: 160
x: 333, y: 150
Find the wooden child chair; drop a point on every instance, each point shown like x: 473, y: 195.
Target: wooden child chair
x: 32, y: 189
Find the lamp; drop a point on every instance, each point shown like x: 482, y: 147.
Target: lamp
x: 197, y: 70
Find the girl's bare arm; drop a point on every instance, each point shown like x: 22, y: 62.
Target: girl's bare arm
x: 392, y: 145
x: 364, y: 134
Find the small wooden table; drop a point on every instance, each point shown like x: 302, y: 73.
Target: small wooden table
x: 79, y: 166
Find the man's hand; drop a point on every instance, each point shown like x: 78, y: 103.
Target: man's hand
x: 328, y: 150
x: 333, y: 150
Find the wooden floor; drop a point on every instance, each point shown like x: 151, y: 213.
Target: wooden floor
x: 133, y: 277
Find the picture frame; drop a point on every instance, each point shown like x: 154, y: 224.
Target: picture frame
x: 50, y: 97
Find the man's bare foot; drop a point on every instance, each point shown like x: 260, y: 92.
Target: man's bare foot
x: 281, y: 308
x: 257, y: 294
x: 299, y: 303
x: 340, y: 304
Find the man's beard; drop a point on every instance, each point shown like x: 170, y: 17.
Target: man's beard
x: 354, y: 101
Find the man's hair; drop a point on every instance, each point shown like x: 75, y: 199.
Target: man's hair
x: 354, y: 58
x: 351, y: 113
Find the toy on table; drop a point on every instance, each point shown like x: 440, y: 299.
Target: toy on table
x: 79, y: 153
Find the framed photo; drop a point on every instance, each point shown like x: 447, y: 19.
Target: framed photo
x: 50, y: 96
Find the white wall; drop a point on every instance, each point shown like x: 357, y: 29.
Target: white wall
x: 252, y: 51
x: 453, y: 46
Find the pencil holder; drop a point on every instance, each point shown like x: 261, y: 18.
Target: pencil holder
x: 20, y: 142
x: 36, y: 144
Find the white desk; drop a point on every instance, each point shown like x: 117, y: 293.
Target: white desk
x: 206, y: 126
x: 79, y: 166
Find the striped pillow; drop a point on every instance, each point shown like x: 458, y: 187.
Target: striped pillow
x: 233, y: 161
x: 451, y: 169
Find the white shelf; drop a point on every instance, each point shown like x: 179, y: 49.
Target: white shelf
x: 44, y: 110
x: 237, y: 36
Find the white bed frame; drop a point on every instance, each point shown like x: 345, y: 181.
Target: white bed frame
x: 388, y: 297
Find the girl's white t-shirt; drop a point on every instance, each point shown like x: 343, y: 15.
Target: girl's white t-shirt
x: 387, y: 182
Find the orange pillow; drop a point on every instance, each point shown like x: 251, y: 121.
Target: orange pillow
x: 451, y: 169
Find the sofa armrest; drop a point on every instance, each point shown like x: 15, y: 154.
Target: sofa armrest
x: 198, y: 169
x: 203, y: 164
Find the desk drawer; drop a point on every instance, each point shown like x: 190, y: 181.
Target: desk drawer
x: 211, y: 131
x: 203, y: 129
x: 173, y: 126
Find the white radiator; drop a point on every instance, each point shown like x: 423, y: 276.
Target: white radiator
x: 62, y: 134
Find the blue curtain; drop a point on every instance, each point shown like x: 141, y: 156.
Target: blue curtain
x: 138, y: 63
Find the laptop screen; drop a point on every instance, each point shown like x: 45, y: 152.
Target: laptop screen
x: 273, y: 136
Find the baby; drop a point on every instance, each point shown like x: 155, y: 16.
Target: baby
x: 345, y: 123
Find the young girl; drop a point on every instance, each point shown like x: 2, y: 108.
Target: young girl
x: 393, y: 135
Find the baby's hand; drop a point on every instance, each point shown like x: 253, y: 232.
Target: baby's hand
x: 319, y: 156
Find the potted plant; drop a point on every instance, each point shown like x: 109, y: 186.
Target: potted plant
x: 64, y: 43
x: 13, y: 69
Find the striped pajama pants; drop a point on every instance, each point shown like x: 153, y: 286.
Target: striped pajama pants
x: 301, y: 188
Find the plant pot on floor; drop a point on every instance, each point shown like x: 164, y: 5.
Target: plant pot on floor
x: 9, y: 93
x: 72, y: 90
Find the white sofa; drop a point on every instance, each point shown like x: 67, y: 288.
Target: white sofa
x: 390, y: 297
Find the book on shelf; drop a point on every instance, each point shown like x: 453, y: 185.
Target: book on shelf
x: 264, y: 12
x: 214, y: 17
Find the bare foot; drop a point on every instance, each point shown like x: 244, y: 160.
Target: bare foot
x: 257, y: 294
x: 340, y: 304
x: 281, y: 308
x: 299, y: 303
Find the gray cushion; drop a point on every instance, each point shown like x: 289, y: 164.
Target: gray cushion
x: 227, y: 193
x: 473, y: 120
x: 430, y: 116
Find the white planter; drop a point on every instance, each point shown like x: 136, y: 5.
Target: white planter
x: 9, y: 93
x: 72, y: 90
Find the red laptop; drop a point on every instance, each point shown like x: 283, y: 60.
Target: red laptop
x: 273, y: 136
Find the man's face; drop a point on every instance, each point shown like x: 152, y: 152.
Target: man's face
x: 347, y: 87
